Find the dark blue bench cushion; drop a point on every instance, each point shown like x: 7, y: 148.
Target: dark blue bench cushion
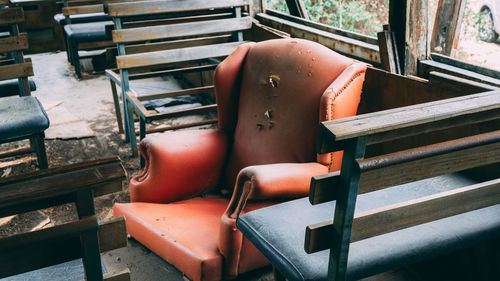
x: 21, y: 117
x: 11, y: 87
x: 279, y: 232
x: 84, y: 18
x: 87, y: 32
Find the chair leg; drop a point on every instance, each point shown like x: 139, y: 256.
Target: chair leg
x: 69, y: 50
x: 131, y: 128
x: 117, y: 107
x: 38, y: 143
x: 78, y: 69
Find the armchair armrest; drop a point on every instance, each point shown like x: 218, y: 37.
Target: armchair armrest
x: 179, y: 164
x: 272, y: 181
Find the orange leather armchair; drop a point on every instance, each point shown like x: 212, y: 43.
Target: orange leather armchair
x: 271, y: 97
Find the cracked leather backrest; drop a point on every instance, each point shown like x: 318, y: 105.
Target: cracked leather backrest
x: 282, y: 82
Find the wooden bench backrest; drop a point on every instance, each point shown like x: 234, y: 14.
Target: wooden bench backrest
x: 75, y: 183
x: 201, y: 22
x: 16, y: 43
x: 359, y: 175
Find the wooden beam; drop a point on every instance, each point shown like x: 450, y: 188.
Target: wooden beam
x: 172, y: 6
x: 411, y: 120
x: 86, y: 9
x: 388, y: 52
x: 59, y: 181
x: 14, y: 43
x: 176, y: 55
x: 11, y: 15
x: 416, y: 42
x: 16, y: 71
x: 348, y: 46
x: 112, y: 234
x: 429, y: 161
x: 181, y: 30
x: 447, y: 26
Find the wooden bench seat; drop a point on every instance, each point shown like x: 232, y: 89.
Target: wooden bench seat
x: 389, y: 210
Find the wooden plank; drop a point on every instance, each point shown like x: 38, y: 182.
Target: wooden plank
x: 95, y: 45
x: 22, y: 253
x: 16, y: 71
x: 123, y: 275
x: 465, y: 65
x: 416, y: 41
x: 180, y: 126
x: 459, y: 82
x: 208, y: 67
x: 176, y: 44
x: 4, y: 2
x: 112, y: 234
x: 86, y: 9
x: 191, y: 91
x: 172, y: 6
x: 396, y: 123
x: 60, y: 181
x: 176, y: 55
x: 324, y: 188
x: 429, y: 66
x: 11, y: 15
x: 181, y: 29
x: 447, y: 26
x: 388, y: 52
x: 428, y: 161
x: 348, y: 46
x: 14, y: 43
x: 182, y: 112
x: 410, y: 213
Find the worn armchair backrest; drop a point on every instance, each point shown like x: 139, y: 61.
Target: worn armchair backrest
x: 270, y: 93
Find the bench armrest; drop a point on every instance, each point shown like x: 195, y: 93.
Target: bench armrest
x: 179, y: 165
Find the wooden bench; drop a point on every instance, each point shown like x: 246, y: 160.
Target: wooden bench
x: 391, y: 209
x: 184, y: 37
x: 84, y: 238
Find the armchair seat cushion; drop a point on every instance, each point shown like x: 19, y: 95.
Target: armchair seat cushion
x: 84, y: 18
x: 21, y: 117
x: 185, y: 233
x: 279, y: 232
x: 87, y: 32
x: 11, y: 87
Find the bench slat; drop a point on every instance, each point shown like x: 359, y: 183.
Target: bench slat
x: 16, y: 71
x: 411, y: 120
x: 86, y: 9
x: 14, y: 43
x: 428, y: 161
x: 181, y: 29
x: 192, y: 91
x: 21, y: 253
x: 176, y: 55
x: 407, y: 214
x: 11, y: 15
x: 171, y: 6
x: 104, y: 175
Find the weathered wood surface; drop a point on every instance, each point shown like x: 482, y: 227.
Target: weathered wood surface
x: 349, y: 46
x: 388, y: 52
x: 407, y: 214
x: 21, y: 253
x: 176, y: 55
x: 416, y: 42
x: 447, y: 26
x: 324, y: 188
x: 99, y: 175
x: 173, y: 6
x: 181, y: 30
x: 400, y: 122
x: 16, y: 71
x: 11, y: 15
x: 85, y: 9
x: 14, y: 43
x: 428, y: 161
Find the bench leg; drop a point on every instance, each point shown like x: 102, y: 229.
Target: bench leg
x: 117, y: 107
x: 69, y: 50
x: 89, y: 241
x: 131, y: 128
x: 78, y: 70
x: 142, y: 135
x: 277, y: 275
x: 38, y: 143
